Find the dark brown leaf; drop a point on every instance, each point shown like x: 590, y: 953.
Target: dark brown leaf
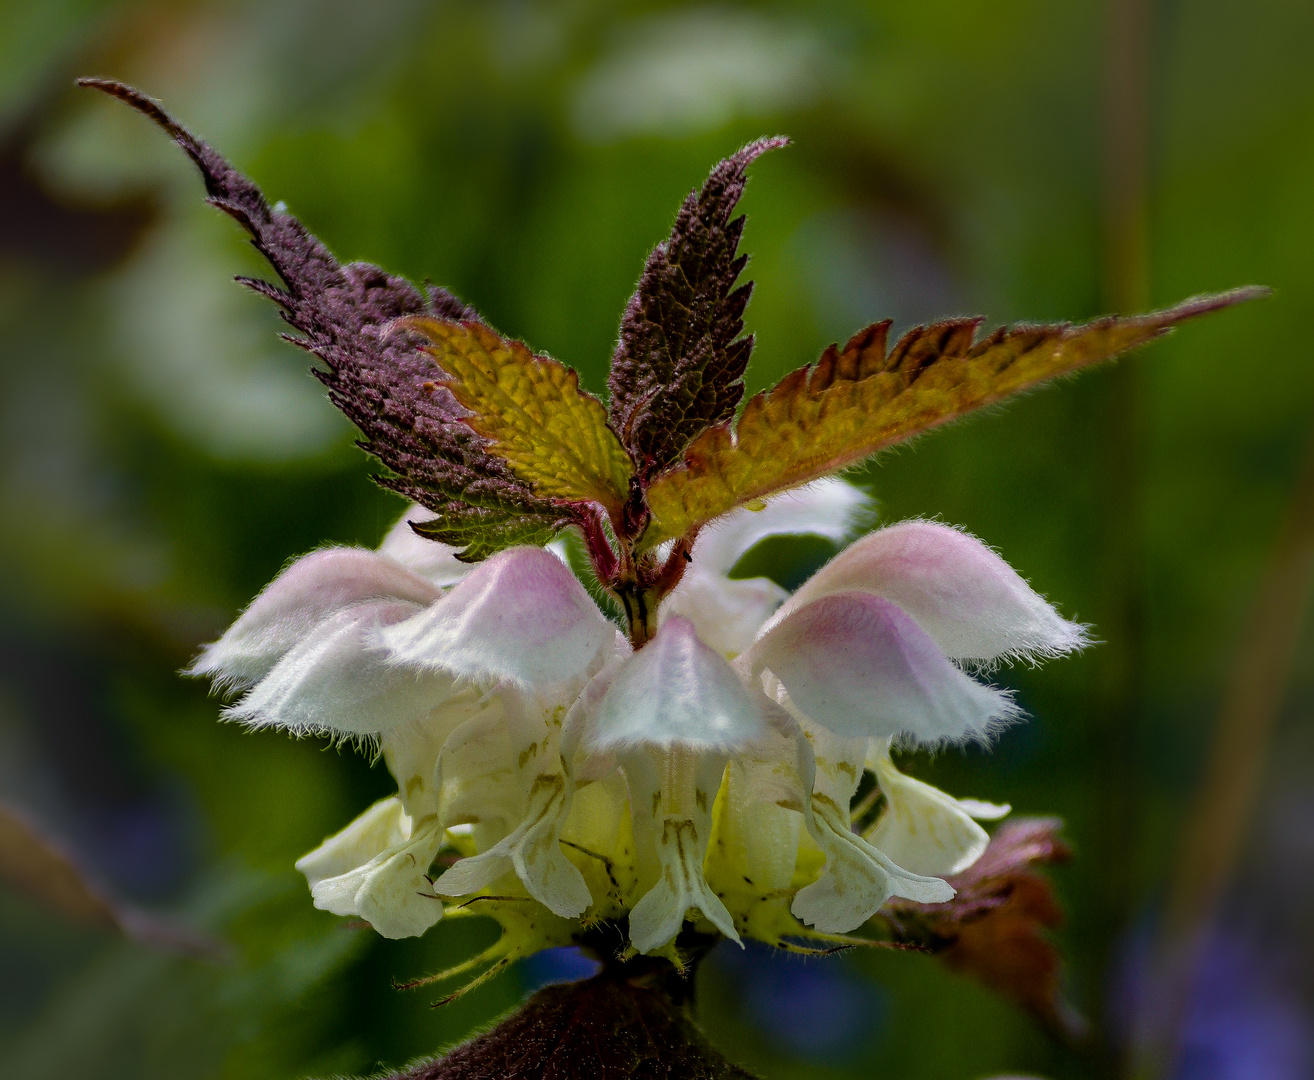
x: 680, y: 362
x: 382, y: 381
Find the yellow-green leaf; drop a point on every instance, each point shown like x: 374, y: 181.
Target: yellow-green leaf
x: 553, y: 434
x: 855, y: 401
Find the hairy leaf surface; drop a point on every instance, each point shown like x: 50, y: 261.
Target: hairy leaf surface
x: 859, y: 399
x: 481, y: 534
x: 680, y: 362
x: 553, y: 434
x: 382, y: 381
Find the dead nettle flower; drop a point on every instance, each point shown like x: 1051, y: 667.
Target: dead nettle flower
x: 696, y: 769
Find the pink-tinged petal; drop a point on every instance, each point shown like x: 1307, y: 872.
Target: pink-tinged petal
x: 302, y: 596
x: 338, y: 680
x: 428, y: 558
x: 858, y: 665
x: 726, y: 614
x: 675, y: 691
x: 583, y: 761
x: 971, y: 602
x: 520, y: 617
x: 829, y: 508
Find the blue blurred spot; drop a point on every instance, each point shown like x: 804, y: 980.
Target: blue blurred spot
x: 1245, y: 1016
x: 566, y: 964
x: 809, y: 1008
x: 1245, y: 1020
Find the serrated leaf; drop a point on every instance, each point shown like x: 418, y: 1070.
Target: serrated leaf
x: 860, y: 399
x: 343, y: 315
x: 481, y: 533
x: 532, y: 412
x: 680, y: 362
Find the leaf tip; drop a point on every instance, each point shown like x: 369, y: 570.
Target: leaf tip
x: 1207, y: 302
x: 130, y: 95
x: 758, y: 147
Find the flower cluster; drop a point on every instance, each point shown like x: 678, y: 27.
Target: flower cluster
x: 707, y: 776
x: 690, y: 769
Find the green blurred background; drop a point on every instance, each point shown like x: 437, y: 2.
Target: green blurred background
x: 162, y: 455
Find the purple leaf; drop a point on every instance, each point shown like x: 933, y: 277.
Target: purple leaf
x: 679, y: 366
x: 381, y: 380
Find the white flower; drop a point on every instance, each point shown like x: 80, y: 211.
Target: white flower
x: 728, y: 613
x: 670, y: 716
x: 324, y: 649
x: 706, y: 777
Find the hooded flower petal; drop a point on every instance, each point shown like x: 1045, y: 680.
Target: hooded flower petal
x: 671, y: 795
x: 428, y: 558
x: 728, y: 613
x: 336, y: 680
x: 860, y: 666
x: 923, y: 829
x: 971, y: 602
x: 383, y: 825
x: 857, y: 878
x: 674, y: 692
x: 412, y: 751
x: 829, y: 508
x: 392, y: 891
x: 503, y: 771
x: 670, y: 715
x: 295, y: 602
x: 520, y: 617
